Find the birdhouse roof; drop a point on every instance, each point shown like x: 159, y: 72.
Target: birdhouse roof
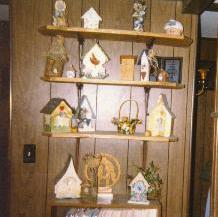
x: 139, y: 177
x: 70, y: 172
x: 91, y: 13
x: 140, y: 56
x: 162, y: 101
x: 52, y: 105
x: 85, y: 99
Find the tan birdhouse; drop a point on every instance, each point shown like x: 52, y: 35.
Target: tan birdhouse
x: 160, y: 119
x: 56, y: 58
x: 57, y: 116
x: 127, y: 67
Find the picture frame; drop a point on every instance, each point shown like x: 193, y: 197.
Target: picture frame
x: 173, y: 65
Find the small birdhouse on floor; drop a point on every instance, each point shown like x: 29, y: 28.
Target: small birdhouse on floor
x: 139, y: 190
x: 57, y: 116
x: 88, y: 119
x: 93, y: 62
x: 160, y: 119
x: 69, y: 186
x: 127, y: 67
x: 91, y: 19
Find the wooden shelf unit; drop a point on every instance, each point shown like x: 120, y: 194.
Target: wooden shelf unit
x: 119, y: 201
x: 117, y: 35
x: 150, y: 84
x: 111, y: 135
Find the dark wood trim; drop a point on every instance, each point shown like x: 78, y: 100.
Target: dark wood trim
x: 4, y: 2
x: 213, y: 7
x: 196, y: 6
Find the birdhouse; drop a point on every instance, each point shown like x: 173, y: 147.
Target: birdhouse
x: 56, y: 58
x: 139, y: 190
x: 127, y: 67
x: 160, y: 119
x: 69, y: 186
x: 88, y: 117
x: 93, y: 63
x: 91, y: 19
x: 145, y: 68
x: 57, y: 116
x: 174, y: 27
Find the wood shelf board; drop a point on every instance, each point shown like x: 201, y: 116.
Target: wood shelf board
x: 117, y: 35
x: 119, y: 201
x: 214, y: 114
x: 151, y: 84
x: 111, y: 135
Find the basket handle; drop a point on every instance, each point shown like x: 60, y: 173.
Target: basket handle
x: 128, y: 100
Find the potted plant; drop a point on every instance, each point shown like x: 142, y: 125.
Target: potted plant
x: 152, y: 176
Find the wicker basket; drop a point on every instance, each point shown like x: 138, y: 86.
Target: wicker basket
x: 126, y: 125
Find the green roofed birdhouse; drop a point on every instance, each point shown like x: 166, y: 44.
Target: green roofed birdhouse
x: 57, y: 116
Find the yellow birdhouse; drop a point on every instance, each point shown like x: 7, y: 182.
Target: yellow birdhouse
x: 57, y: 116
x: 160, y: 120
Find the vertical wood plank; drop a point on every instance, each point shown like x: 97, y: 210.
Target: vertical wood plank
x: 214, y: 188
x: 189, y: 116
x: 176, y: 151
x: 161, y: 12
x: 29, y: 94
x: 60, y: 150
x: 109, y: 99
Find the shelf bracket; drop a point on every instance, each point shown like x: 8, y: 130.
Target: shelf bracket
x: 150, y: 43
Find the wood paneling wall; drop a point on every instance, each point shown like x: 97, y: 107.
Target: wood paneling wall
x: 203, y: 152
x: 33, y: 184
x: 5, y: 116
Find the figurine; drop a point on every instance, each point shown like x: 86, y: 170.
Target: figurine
x: 163, y: 76
x: 148, y: 64
x: 59, y: 18
x: 102, y: 170
x: 173, y: 27
x: 71, y: 72
x: 69, y: 186
x: 56, y: 58
x: 93, y: 63
x: 91, y: 19
x: 140, y: 10
x: 139, y: 190
x: 160, y: 119
x: 57, y: 116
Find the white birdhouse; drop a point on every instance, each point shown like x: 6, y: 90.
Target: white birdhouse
x: 160, y: 119
x: 93, y: 63
x: 88, y: 121
x: 139, y: 190
x: 69, y: 186
x: 91, y: 19
x: 145, y: 67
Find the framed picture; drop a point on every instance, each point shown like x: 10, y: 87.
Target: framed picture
x: 173, y: 65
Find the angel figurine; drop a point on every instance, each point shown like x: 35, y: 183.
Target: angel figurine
x: 59, y: 18
x: 140, y: 10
